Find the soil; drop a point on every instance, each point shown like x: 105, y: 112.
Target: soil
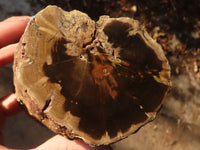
x: 176, y: 26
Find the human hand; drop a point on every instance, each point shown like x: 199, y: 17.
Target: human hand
x: 11, y: 31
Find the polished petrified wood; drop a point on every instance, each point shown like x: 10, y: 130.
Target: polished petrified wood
x: 98, y: 81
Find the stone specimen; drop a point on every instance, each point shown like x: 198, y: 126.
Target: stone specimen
x: 97, y: 81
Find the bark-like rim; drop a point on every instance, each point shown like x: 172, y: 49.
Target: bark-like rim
x: 38, y: 112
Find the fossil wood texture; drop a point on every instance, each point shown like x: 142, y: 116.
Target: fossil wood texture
x: 97, y: 81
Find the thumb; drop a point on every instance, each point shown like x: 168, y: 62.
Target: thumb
x: 61, y: 143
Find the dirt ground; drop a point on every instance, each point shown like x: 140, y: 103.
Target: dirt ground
x: 173, y: 24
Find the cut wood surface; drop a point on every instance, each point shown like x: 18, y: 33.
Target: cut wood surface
x: 98, y: 81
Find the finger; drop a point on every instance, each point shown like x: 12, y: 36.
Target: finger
x: 9, y: 105
x: 12, y: 29
x: 103, y: 147
x: 7, y: 54
x: 14, y: 18
x: 61, y: 143
x: 3, y: 147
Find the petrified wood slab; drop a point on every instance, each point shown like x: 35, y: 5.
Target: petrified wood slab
x: 98, y: 81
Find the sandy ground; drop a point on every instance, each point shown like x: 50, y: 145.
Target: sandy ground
x: 177, y: 126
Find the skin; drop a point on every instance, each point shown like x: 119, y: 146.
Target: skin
x: 11, y: 31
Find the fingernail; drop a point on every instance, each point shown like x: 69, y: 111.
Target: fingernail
x: 24, y: 19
